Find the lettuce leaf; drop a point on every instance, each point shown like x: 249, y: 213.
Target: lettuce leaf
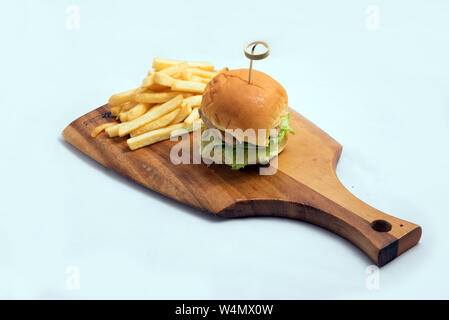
x: 284, y: 128
x: 236, y: 166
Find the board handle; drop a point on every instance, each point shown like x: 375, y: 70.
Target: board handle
x: 381, y: 236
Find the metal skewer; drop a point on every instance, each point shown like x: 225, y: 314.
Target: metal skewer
x: 253, y: 56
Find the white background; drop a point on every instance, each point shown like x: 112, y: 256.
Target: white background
x: 382, y: 93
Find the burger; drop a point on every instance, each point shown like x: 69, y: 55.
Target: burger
x: 255, y: 116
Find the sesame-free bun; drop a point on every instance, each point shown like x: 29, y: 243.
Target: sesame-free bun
x: 229, y: 102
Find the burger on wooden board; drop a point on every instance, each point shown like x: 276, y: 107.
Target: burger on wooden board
x: 230, y: 102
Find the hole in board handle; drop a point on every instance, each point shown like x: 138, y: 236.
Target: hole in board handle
x: 381, y: 225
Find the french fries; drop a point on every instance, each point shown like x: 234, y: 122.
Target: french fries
x: 127, y: 105
x: 174, y: 69
x: 156, y: 97
x: 119, y: 98
x: 202, y: 73
x: 113, y: 131
x: 178, y: 76
x: 167, y: 101
x: 186, y: 109
x: 188, y: 86
x: 137, y: 111
x: 194, y: 101
x: 100, y: 128
x: 163, y: 79
x: 149, y: 84
x: 153, y: 114
x: 185, y: 75
x: 152, y: 136
x: 192, y: 117
x: 159, y: 64
x: 196, y: 78
x: 156, y: 124
x: 115, y: 111
x: 123, y: 116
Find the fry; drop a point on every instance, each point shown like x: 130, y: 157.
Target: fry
x: 202, y: 65
x: 119, y: 98
x: 194, y: 101
x: 141, y: 90
x: 192, y: 117
x: 148, y: 83
x: 177, y: 75
x: 187, y: 128
x: 137, y: 111
x: 176, y: 68
x: 101, y: 127
x: 199, y: 79
x: 151, y: 115
x: 160, y: 64
x: 163, y: 79
x: 186, y: 109
x: 186, y: 76
x: 188, y: 86
x: 128, y: 105
x: 113, y: 131
x: 156, y: 124
x: 115, y: 111
x: 152, y: 136
x: 156, y: 97
x: 123, y: 116
x: 202, y: 73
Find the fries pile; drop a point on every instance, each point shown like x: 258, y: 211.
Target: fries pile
x: 167, y: 100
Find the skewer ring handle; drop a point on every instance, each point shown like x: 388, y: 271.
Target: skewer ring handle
x: 259, y: 56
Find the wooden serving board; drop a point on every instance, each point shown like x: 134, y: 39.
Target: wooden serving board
x: 304, y: 187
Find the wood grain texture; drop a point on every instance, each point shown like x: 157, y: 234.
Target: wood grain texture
x: 305, y: 186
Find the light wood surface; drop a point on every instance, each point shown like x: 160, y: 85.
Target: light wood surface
x: 305, y: 186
